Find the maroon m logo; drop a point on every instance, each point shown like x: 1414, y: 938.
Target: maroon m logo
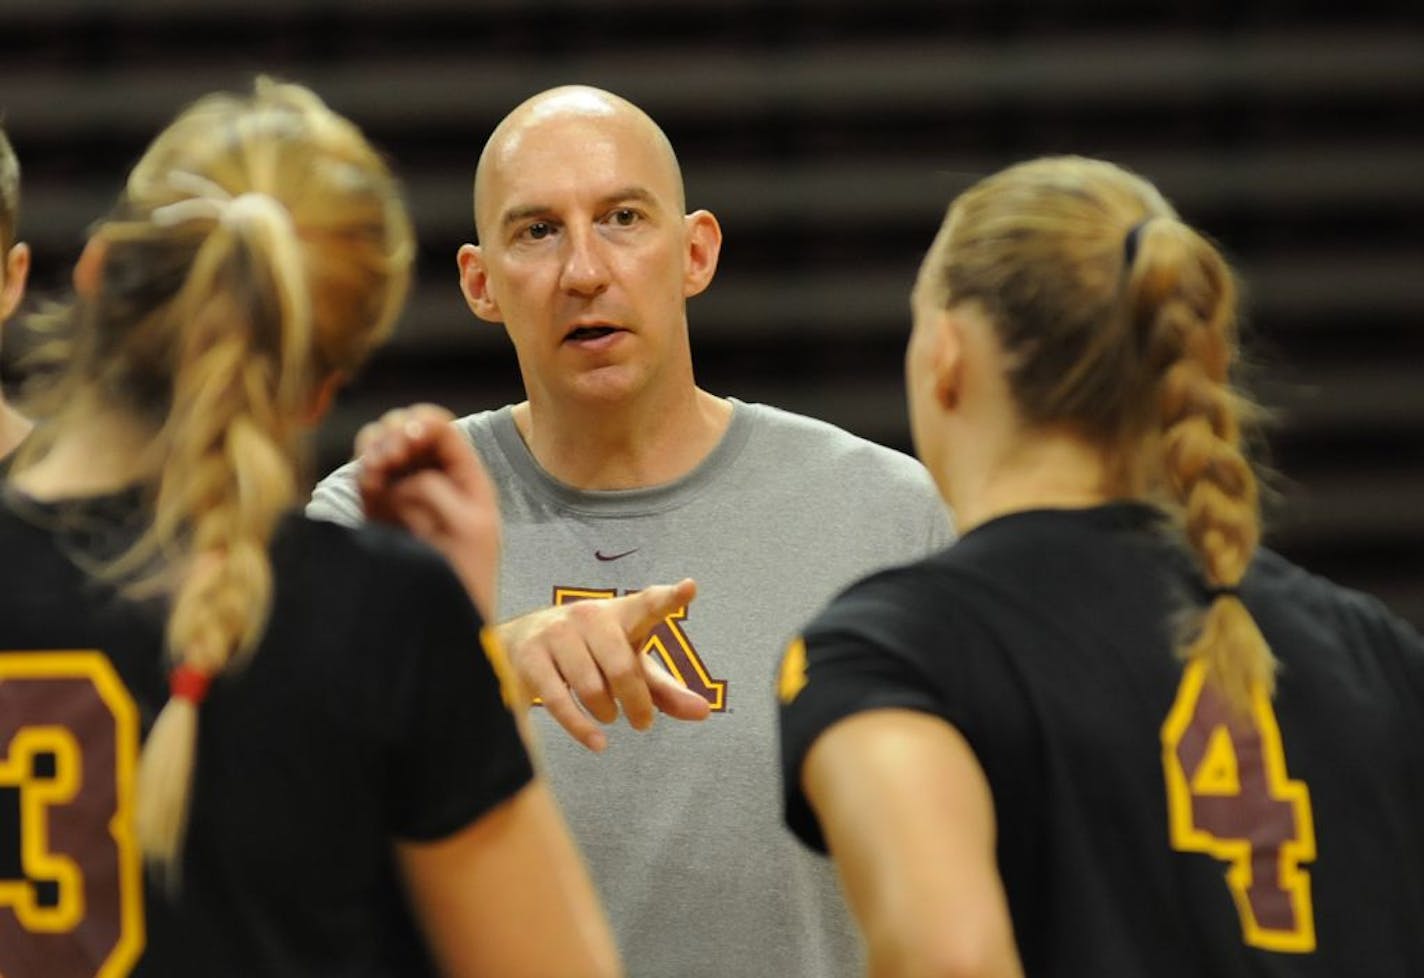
x: 669, y: 642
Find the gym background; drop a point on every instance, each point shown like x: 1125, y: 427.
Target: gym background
x: 828, y: 136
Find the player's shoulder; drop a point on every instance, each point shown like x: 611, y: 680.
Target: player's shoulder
x: 981, y: 582
x: 1291, y: 597
x: 31, y: 553
x: 345, y: 555
x: 374, y: 590
x: 904, y: 604
x: 1334, y: 635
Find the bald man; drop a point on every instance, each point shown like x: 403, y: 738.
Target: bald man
x: 621, y: 483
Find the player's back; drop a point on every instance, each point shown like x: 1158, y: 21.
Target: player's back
x: 311, y: 757
x: 1140, y: 832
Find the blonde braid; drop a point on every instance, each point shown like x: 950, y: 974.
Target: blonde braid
x: 1181, y: 295
x: 1117, y: 322
x: 230, y: 472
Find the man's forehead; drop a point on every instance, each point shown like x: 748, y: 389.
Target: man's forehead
x: 557, y: 133
x: 578, y: 158
x: 615, y: 139
x: 550, y: 144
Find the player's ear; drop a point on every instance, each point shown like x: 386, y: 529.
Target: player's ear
x: 703, y: 245
x: 89, y: 269
x: 474, y: 283
x: 946, y: 357
x: 323, y: 397
x: 17, y: 270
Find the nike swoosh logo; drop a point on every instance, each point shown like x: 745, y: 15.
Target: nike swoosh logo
x: 603, y: 556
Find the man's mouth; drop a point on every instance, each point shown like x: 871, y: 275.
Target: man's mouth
x: 580, y: 333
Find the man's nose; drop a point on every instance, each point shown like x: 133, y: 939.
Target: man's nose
x: 585, y: 269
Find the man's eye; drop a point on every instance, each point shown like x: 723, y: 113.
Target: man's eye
x: 625, y: 217
x: 539, y: 230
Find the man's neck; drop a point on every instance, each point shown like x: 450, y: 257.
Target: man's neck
x: 625, y: 446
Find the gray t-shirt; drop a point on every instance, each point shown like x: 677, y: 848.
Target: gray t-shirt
x: 681, y: 824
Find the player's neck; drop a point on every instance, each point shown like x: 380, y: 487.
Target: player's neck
x: 624, y: 447
x: 95, y: 451
x: 1044, y: 472
x: 14, y: 427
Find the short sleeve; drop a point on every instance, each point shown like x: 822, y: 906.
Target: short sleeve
x: 850, y: 660
x: 456, y: 751
x: 942, y: 532
x: 337, y: 499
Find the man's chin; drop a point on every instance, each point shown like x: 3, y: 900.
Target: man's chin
x: 609, y: 385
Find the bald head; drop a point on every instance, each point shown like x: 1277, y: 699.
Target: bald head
x: 567, y: 119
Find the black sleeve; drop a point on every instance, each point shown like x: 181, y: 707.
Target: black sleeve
x: 456, y: 751
x: 863, y: 653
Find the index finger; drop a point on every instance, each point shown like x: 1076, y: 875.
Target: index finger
x: 639, y: 612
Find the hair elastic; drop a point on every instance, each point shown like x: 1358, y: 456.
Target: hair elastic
x: 1224, y: 592
x: 208, y: 201
x: 1129, y: 243
x: 245, y: 206
x: 189, y: 683
x: 231, y: 211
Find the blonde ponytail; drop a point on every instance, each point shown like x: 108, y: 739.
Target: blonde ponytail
x: 260, y: 247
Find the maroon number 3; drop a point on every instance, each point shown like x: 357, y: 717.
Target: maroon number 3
x: 71, y: 884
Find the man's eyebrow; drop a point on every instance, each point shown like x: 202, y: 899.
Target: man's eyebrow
x: 629, y: 193
x: 523, y: 212
x: 516, y: 214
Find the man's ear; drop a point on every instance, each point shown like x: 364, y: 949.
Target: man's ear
x: 474, y: 283
x: 704, y: 245
x: 17, y: 270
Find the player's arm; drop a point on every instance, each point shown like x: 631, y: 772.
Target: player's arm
x: 508, y: 896
x: 908, y: 817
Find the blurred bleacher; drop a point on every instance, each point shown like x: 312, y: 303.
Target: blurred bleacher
x: 828, y: 136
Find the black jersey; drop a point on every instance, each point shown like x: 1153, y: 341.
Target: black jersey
x: 1138, y: 832
x: 367, y: 714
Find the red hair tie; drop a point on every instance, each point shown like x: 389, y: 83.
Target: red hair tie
x: 188, y: 683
